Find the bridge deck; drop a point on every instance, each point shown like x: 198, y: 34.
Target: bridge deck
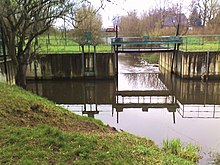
x: 154, y: 50
x: 171, y: 107
x: 145, y: 45
x: 144, y: 93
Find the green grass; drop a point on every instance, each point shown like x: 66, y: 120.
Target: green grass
x: 189, y: 151
x: 201, y: 43
x: 34, y: 130
x: 151, y: 58
x: 56, y: 45
x: 75, y: 48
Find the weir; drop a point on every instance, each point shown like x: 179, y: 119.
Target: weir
x: 189, y: 57
x: 69, y: 66
x: 193, y: 65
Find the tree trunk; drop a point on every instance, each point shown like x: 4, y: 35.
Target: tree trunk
x: 23, y: 60
x: 20, y: 78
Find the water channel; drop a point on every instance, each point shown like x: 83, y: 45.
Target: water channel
x: 145, y: 101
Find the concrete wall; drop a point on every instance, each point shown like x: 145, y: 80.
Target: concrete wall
x: 7, y: 72
x: 68, y: 66
x: 192, y: 65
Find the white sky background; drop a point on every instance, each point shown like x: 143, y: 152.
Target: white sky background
x: 122, y: 7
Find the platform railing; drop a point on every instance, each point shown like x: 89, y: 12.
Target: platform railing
x: 200, y: 43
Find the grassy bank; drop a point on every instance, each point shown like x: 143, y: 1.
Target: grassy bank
x: 34, y: 130
x: 152, y: 58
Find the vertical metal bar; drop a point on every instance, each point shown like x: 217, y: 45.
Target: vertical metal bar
x: 116, y: 33
x: 174, y: 119
x: 218, y: 42
x: 94, y: 61
x: 207, y: 65
x: 116, y: 54
x: 83, y: 58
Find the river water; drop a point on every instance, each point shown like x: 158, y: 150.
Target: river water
x: 146, y: 101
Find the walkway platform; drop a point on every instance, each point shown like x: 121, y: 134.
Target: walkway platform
x: 170, y: 107
x: 145, y: 44
x: 154, y: 50
x: 143, y: 93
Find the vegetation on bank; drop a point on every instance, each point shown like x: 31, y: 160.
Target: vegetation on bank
x: 152, y: 58
x: 34, y: 130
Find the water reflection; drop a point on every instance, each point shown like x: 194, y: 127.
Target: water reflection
x: 135, y: 91
x: 140, y: 81
x: 75, y: 91
x: 197, y: 99
x: 132, y: 63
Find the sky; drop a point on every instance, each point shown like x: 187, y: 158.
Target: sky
x: 117, y: 8
x: 122, y: 7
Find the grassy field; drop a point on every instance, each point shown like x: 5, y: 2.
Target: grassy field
x: 55, y: 45
x: 34, y: 130
x: 201, y: 43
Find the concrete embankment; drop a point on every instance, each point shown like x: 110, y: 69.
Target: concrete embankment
x: 192, y: 65
x: 68, y: 66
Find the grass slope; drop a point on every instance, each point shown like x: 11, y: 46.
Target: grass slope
x: 33, y: 130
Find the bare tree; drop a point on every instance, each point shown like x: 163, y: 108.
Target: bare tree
x: 130, y: 25
x: 87, y: 21
x: 194, y: 17
x: 213, y: 25
x: 174, y: 17
x: 151, y: 22
x: 23, y: 21
x: 208, y: 10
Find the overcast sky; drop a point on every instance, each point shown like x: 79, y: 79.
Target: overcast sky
x: 122, y: 7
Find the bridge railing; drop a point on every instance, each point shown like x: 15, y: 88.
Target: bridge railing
x: 200, y: 43
x: 146, y: 42
x: 192, y: 43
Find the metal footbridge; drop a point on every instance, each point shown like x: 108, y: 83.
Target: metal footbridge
x: 145, y: 100
x: 145, y: 44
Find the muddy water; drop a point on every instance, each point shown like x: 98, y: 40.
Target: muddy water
x: 145, y: 101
